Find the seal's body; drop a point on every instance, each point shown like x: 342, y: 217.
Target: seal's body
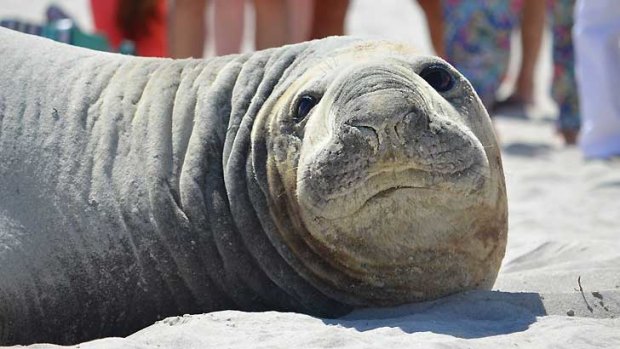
x: 316, y: 177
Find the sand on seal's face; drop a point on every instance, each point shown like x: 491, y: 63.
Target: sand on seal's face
x: 396, y: 187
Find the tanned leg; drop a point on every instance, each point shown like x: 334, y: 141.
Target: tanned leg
x: 187, y: 28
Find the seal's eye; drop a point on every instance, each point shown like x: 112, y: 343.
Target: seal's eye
x: 304, y: 106
x: 438, y: 77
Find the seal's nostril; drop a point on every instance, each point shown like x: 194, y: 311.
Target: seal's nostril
x: 397, y: 132
x: 367, y: 133
x: 411, y: 125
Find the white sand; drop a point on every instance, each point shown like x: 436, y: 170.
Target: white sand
x: 564, y: 225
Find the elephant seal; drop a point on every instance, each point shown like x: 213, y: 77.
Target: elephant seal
x: 318, y: 177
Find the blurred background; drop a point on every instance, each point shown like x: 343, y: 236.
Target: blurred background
x: 384, y: 18
x: 527, y: 74
x: 399, y: 20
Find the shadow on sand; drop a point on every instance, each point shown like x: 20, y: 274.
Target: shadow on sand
x: 473, y: 314
x: 477, y: 314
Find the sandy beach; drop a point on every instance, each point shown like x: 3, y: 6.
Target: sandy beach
x: 559, y: 284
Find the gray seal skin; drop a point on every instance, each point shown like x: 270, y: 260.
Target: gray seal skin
x: 318, y: 178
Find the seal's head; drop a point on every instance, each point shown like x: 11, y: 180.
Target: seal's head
x: 385, y: 177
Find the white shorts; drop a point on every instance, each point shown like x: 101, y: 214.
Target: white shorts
x: 596, y: 37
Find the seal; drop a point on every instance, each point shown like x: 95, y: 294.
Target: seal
x: 318, y: 177
x: 385, y: 177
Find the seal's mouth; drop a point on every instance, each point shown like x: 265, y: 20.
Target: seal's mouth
x: 389, y: 192
x: 399, y: 188
x: 390, y: 178
x: 385, y: 182
x: 404, y: 185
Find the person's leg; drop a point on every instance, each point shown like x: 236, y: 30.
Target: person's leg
x: 532, y: 29
x: 329, y: 16
x: 434, y: 18
x: 596, y: 33
x: 228, y: 25
x: 187, y: 28
x: 564, y: 85
x: 271, y: 23
x: 300, y: 17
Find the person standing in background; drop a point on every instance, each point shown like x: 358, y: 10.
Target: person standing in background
x: 563, y: 85
x: 476, y: 40
x: 188, y: 27
x: 597, y: 47
x: 278, y: 22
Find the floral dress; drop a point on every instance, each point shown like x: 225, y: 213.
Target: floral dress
x: 477, y: 42
x: 564, y: 87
